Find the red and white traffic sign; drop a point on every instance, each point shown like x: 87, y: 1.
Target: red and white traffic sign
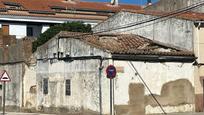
x: 5, y: 77
x: 111, y: 71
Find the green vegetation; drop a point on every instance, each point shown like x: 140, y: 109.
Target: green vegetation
x: 52, y: 31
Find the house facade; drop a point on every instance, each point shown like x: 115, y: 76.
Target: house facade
x: 184, y: 31
x: 30, y: 17
x: 69, y: 81
x: 16, y: 60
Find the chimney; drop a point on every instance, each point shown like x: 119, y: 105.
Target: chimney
x: 114, y: 2
x: 149, y: 2
x: 71, y: 0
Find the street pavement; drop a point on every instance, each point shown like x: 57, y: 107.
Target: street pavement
x: 18, y: 113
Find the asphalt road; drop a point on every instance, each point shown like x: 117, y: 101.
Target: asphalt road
x: 18, y: 113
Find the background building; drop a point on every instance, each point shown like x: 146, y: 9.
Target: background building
x: 32, y: 17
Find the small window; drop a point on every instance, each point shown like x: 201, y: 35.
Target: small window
x: 29, y: 31
x: 57, y: 8
x: 12, y: 5
x: 68, y: 87
x: 45, y: 86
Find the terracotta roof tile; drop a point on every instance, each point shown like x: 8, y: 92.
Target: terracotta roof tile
x: 45, y: 5
x: 128, y: 44
x: 71, y: 10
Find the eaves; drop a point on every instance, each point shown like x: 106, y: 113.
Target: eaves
x: 41, y: 19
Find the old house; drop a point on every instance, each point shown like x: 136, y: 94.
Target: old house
x: 68, y: 77
x: 32, y: 17
x: 15, y: 58
x: 184, y: 31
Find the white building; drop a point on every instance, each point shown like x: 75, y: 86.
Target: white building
x: 68, y: 81
x: 32, y: 17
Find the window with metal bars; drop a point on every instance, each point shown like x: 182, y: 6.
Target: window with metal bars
x: 45, y: 86
x: 68, y: 87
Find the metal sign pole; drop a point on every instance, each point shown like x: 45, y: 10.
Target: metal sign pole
x: 4, y: 78
x: 100, y: 92
x: 111, y: 73
x: 111, y: 97
x: 4, y: 99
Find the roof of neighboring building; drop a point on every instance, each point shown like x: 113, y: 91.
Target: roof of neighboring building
x: 128, y: 44
x: 60, y: 8
x: 194, y: 16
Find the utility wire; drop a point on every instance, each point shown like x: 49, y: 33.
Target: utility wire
x: 136, y: 72
x: 164, y: 17
x: 167, y: 15
x: 171, y: 14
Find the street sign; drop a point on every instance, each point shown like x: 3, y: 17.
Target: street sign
x: 111, y: 71
x: 5, y: 77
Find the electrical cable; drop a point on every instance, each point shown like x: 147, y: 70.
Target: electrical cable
x: 167, y: 15
x: 172, y: 14
x: 136, y: 72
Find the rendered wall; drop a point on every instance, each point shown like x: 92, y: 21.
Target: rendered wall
x: 199, y: 69
x: 171, y: 83
x: 168, y: 81
x: 175, y: 32
x: 172, y: 5
x: 14, y: 89
x: 82, y: 73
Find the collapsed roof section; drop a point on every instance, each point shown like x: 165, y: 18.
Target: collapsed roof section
x: 131, y: 47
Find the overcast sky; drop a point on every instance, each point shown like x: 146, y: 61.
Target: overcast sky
x: 140, y: 2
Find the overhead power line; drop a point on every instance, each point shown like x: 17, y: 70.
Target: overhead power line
x: 158, y: 18
x: 166, y: 15
x: 144, y: 83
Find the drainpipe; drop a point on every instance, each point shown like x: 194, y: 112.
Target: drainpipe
x: 100, y: 91
x: 58, y: 52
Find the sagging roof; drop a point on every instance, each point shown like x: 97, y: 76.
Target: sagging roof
x: 127, y: 44
x: 193, y: 16
x: 59, y: 8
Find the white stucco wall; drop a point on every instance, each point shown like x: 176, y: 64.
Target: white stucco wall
x: 20, y: 30
x: 29, y: 81
x: 44, y: 28
x: 173, y: 31
x: 17, y: 29
x: 155, y: 75
x: 84, y: 78
x: 82, y: 73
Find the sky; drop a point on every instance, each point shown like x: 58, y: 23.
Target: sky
x: 139, y: 2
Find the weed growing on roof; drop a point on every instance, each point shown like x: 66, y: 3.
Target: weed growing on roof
x: 52, y: 31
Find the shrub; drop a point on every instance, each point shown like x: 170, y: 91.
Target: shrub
x: 52, y: 31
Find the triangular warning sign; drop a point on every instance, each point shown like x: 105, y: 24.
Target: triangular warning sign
x: 5, y: 77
